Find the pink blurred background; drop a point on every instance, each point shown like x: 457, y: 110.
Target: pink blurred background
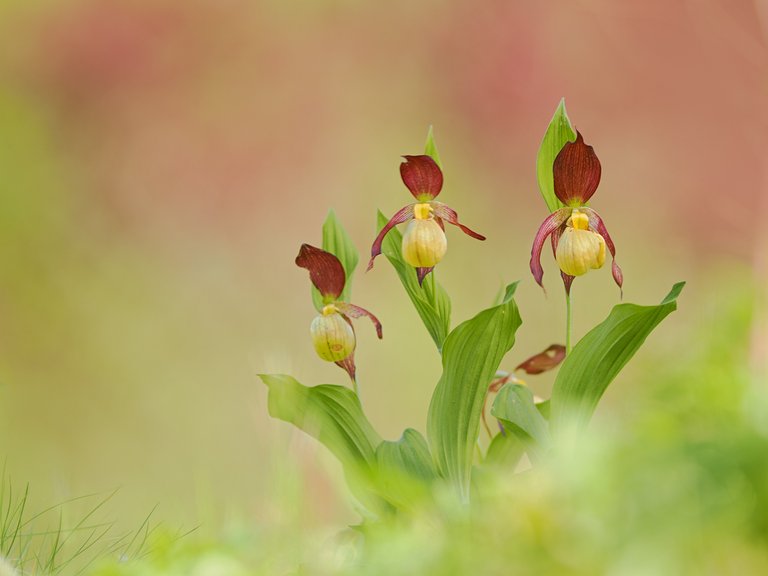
x: 161, y: 162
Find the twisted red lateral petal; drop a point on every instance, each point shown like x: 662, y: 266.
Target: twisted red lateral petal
x: 543, y: 361
x: 567, y: 281
x: 325, y: 270
x: 348, y: 364
x: 567, y: 278
x: 353, y: 311
x: 448, y: 214
x: 597, y: 224
x: 576, y: 172
x: 422, y: 176
x: 400, y: 216
x: 550, y: 225
x: 422, y: 273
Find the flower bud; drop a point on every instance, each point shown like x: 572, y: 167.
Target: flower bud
x: 332, y: 335
x: 579, y: 249
x: 424, y: 241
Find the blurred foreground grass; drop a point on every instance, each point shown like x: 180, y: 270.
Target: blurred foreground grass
x: 677, y: 486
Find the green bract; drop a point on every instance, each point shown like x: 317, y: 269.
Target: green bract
x: 558, y: 133
x: 430, y: 148
x: 337, y: 242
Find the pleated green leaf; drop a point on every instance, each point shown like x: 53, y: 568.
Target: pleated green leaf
x: 333, y: 415
x: 337, y: 242
x: 471, y: 356
x: 515, y: 408
x: 599, y: 356
x: 558, y: 133
x: 405, y: 470
x: 430, y: 299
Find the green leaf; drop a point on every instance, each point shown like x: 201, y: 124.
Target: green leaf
x: 471, y: 356
x: 405, y: 469
x: 544, y: 408
x: 599, y: 356
x: 558, y: 133
x: 430, y: 148
x: 515, y: 407
x: 430, y: 299
x: 333, y: 415
x: 504, y: 451
x: 337, y: 242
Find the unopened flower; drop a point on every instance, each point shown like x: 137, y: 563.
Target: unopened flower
x: 579, y: 236
x: 332, y: 332
x: 424, y: 242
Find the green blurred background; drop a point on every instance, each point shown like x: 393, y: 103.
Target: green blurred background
x: 161, y: 161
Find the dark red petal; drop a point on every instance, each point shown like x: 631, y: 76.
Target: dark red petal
x: 597, y: 224
x: 325, y: 270
x: 497, y: 383
x: 348, y: 364
x: 576, y: 172
x: 543, y: 361
x: 448, y: 214
x: 422, y: 176
x: 421, y: 273
x: 357, y: 312
x: 550, y: 224
x: 401, y: 216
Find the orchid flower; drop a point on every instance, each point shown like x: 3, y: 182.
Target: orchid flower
x: 579, y: 236
x: 424, y: 242
x: 332, y: 332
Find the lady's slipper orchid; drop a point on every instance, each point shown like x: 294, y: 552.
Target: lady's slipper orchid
x: 424, y: 241
x: 579, y: 236
x: 332, y: 332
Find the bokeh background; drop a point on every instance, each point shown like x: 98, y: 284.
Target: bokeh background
x: 161, y: 161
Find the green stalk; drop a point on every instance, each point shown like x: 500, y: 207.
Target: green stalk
x: 568, y: 323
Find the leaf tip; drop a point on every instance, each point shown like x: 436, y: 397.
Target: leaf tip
x: 510, y: 291
x: 269, y: 380
x: 674, y: 293
x: 430, y: 148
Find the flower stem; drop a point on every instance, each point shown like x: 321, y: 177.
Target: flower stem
x: 568, y: 322
x: 355, y: 388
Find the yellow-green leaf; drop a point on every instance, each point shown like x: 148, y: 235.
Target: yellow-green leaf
x: 471, y: 357
x: 599, y: 356
x: 333, y: 415
x: 515, y: 408
x: 405, y: 470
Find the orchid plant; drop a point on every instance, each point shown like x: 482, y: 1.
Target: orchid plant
x: 390, y: 477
